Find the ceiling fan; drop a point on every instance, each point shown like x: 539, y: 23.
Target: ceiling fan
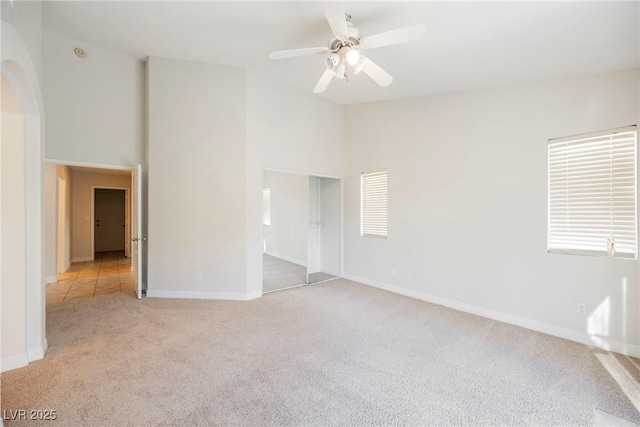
x: 346, y: 48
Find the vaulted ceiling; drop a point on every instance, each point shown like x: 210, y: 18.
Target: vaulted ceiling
x: 468, y: 45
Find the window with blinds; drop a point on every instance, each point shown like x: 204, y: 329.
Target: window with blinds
x: 373, y: 204
x: 592, y: 194
x: 266, y: 206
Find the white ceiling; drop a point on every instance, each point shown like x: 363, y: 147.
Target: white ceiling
x: 468, y: 45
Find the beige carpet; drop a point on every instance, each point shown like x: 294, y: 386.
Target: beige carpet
x: 337, y: 353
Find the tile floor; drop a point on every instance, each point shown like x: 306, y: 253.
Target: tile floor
x: 108, y: 273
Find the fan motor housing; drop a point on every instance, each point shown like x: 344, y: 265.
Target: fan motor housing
x: 353, y: 40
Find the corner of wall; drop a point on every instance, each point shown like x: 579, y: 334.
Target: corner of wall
x: 14, y: 362
x: 38, y: 352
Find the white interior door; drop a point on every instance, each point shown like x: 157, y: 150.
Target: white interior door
x: 136, y: 228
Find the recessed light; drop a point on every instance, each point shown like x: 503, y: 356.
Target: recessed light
x: 80, y: 52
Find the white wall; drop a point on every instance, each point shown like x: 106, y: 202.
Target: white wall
x: 95, y: 105
x: 13, y: 225
x: 21, y: 23
x: 286, y: 237
x: 26, y: 18
x: 81, y: 224
x: 64, y: 233
x: 287, y: 130
x: 51, y: 223
x: 197, y: 181
x: 468, y: 203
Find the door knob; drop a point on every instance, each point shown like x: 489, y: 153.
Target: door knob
x: 135, y: 239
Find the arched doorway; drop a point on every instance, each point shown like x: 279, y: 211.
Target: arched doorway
x: 21, y: 259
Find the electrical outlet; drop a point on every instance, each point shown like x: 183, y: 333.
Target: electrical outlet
x: 394, y: 273
x: 581, y: 308
x: 199, y: 277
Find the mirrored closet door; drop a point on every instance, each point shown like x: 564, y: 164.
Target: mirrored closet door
x: 285, y: 224
x: 324, y: 229
x: 302, y: 230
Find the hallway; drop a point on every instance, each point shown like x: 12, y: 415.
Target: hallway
x: 108, y: 273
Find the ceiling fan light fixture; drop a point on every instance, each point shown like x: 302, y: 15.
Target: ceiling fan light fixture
x: 357, y: 67
x: 346, y: 45
x: 351, y: 55
x: 332, y: 61
x: 340, y: 70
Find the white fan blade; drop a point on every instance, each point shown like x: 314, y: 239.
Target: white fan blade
x: 376, y: 73
x: 334, y: 13
x: 397, y: 36
x: 282, y: 54
x: 324, y: 81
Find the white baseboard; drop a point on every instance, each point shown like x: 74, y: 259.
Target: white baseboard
x: 581, y: 337
x: 39, y: 352
x: 286, y: 258
x: 22, y: 360
x: 51, y: 279
x: 82, y: 259
x: 14, y: 362
x: 231, y: 296
x: 253, y: 295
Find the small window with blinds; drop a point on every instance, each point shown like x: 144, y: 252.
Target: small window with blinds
x: 373, y: 204
x: 592, y: 194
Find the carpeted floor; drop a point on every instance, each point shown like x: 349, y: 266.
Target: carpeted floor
x: 337, y: 353
x: 281, y: 274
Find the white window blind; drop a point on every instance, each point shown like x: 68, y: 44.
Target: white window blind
x: 266, y: 206
x: 373, y: 204
x: 592, y: 194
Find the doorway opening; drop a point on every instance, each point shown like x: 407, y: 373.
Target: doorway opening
x: 302, y: 230
x: 97, y: 224
x: 110, y: 217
